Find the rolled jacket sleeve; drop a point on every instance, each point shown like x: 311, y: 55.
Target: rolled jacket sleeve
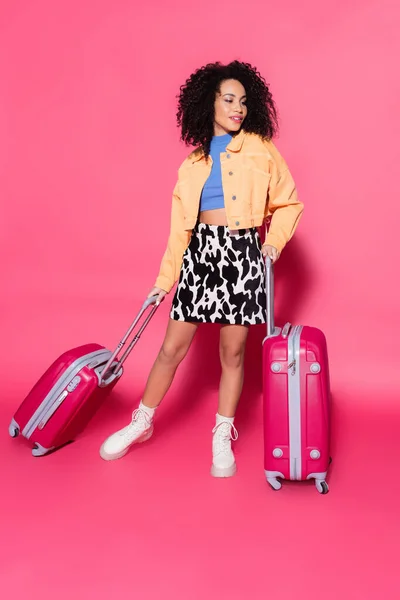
x: 177, y: 243
x: 283, y: 209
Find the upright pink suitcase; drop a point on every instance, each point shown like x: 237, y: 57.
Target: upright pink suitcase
x: 68, y: 394
x: 296, y: 400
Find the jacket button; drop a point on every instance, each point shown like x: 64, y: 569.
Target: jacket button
x: 233, y: 197
x: 230, y: 173
x: 237, y: 223
x: 228, y: 156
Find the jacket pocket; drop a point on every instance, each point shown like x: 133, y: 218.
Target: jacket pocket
x: 256, y: 182
x: 189, y: 193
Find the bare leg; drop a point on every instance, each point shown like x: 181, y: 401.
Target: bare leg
x: 232, y: 347
x: 178, y: 339
x: 177, y: 342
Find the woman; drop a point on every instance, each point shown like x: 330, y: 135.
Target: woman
x: 233, y: 182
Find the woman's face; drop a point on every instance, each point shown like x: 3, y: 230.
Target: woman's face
x: 230, y: 108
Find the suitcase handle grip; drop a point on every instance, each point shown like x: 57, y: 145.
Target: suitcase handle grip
x: 149, y: 301
x: 105, y: 375
x: 269, y: 278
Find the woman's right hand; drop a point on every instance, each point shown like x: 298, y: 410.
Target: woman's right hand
x: 156, y: 291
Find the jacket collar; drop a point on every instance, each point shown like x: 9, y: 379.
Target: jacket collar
x: 235, y: 145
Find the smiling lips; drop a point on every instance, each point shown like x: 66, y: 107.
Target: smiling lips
x: 237, y: 119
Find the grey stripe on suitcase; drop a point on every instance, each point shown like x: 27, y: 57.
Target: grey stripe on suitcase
x: 56, y: 390
x: 294, y: 404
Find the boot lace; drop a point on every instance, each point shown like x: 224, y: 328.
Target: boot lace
x: 224, y: 433
x: 140, y: 422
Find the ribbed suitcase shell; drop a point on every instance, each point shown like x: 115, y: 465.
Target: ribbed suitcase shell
x: 63, y: 400
x: 296, y: 404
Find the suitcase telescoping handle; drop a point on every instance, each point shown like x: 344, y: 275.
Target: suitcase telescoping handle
x: 107, y: 371
x: 269, y: 280
x: 270, y: 293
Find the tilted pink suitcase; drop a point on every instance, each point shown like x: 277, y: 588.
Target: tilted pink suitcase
x: 296, y: 401
x: 68, y: 394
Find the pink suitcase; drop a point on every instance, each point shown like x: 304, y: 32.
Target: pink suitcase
x: 296, y: 400
x: 68, y: 394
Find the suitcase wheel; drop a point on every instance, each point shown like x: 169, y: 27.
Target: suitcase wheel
x: 13, y: 430
x: 38, y: 450
x: 321, y: 486
x: 274, y: 483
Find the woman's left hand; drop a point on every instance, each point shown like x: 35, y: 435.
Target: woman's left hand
x: 272, y: 252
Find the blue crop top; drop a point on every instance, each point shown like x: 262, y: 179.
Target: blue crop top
x: 212, y: 196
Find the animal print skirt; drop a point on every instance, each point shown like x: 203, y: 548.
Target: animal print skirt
x: 222, y: 278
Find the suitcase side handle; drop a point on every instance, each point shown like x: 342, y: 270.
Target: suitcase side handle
x: 104, y: 376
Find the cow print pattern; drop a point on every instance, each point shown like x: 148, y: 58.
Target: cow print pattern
x: 222, y: 278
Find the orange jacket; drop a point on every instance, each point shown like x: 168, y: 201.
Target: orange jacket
x: 257, y: 186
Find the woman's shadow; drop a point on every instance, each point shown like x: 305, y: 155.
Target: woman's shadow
x: 293, y: 281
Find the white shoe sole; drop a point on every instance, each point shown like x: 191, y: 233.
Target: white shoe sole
x: 223, y: 472
x: 143, y: 438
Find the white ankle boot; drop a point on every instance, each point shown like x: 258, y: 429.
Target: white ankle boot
x: 139, y: 430
x: 223, y: 464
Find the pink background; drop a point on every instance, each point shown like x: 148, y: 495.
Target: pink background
x: 88, y: 159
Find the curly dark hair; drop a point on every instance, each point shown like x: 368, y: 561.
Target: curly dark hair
x: 195, y: 114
